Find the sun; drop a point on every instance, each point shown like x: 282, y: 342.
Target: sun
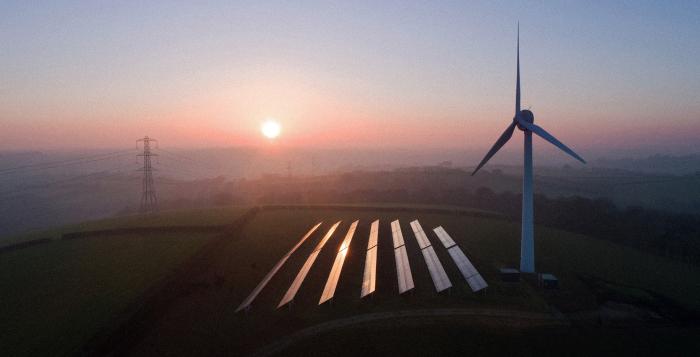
x: 271, y: 128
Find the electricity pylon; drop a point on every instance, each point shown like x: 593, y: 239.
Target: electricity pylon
x: 149, y: 201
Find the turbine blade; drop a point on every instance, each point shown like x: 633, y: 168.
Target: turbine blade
x: 517, y: 81
x: 497, y: 146
x: 547, y: 136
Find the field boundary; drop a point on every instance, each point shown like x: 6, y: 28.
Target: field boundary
x: 457, y: 211
x: 146, y: 230
x: 218, y: 228
x: 115, y: 231
x: 124, y: 333
x: 24, y: 244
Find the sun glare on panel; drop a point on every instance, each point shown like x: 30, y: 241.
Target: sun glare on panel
x: 271, y: 129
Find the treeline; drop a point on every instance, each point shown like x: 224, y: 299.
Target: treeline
x: 662, y: 233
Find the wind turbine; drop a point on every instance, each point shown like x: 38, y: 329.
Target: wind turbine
x: 525, y: 121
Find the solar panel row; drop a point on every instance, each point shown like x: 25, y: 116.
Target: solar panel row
x: 373, y: 234
x: 437, y: 272
x: 396, y: 234
x: 403, y: 268
x: 469, y: 272
x: 477, y: 283
x: 369, y: 278
x: 326, y: 237
x: 334, y: 276
x: 422, y: 239
x: 249, y: 300
x: 444, y: 237
x: 296, y: 284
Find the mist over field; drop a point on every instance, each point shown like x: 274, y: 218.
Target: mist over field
x: 49, y: 188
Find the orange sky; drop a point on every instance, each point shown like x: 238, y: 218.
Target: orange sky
x: 347, y: 75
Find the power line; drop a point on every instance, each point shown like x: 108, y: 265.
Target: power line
x: 174, y: 154
x: 64, y: 163
x: 179, y: 170
x: 51, y: 211
x: 98, y: 174
x: 183, y: 158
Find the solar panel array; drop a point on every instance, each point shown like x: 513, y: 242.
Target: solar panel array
x: 249, y: 300
x: 437, y: 272
x: 369, y: 278
x: 334, y: 276
x: 403, y: 268
x: 296, y: 284
x: 469, y: 272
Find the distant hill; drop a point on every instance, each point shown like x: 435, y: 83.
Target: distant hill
x: 40, y: 195
x: 659, y: 164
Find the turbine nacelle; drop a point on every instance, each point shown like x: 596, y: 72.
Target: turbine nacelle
x: 525, y: 121
x: 526, y: 116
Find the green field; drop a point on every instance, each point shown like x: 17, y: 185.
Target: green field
x: 60, y: 295
x: 214, y: 328
x: 56, y: 296
x: 194, y: 217
x: 470, y: 338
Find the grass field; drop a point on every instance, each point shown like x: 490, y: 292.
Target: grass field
x: 56, y: 296
x: 194, y: 217
x: 80, y: 286
x: 475, y: 338
x: 213, y: 328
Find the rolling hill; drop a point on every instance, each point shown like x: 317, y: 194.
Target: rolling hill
x: 170, y: 284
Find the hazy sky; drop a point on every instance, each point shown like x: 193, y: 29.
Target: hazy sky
x: 598, y: 75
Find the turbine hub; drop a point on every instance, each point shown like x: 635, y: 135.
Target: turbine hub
x: 527, y: 116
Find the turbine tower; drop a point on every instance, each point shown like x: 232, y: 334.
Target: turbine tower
x: 525, y: 121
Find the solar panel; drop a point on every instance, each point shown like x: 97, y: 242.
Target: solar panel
x: 296, y: 284
x: 274, y: 270
x: 334, y: 276
x: 373, y: 234
x: 369, y: 278
x: 444, y: 237
x: 469, y: 272
x: 422, y: 239
x: 477, y: 283
x: 396, y: 235
x: 437, y: 272
x: 326, y: 237
x: 463, y: 263
x: 403, y: 270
